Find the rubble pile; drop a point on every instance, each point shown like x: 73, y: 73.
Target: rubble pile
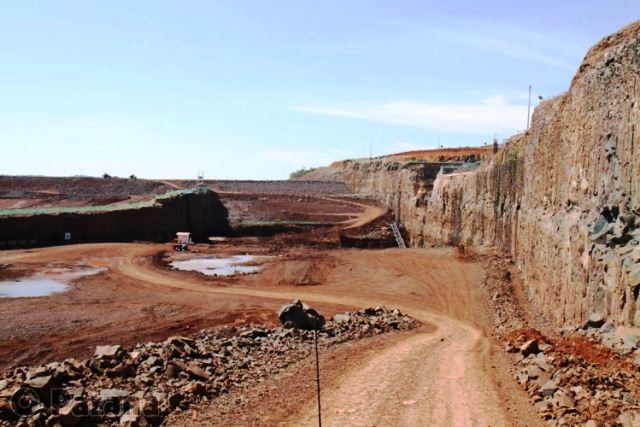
x: 622, y: 340
x: 143, y: 385
x: 582, y: 375
x: 379, y: 231
x: 498, y: 287
x: 568, y: 388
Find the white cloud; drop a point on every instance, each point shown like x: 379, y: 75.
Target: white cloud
x: 531, y: 47
x: 493, y: 114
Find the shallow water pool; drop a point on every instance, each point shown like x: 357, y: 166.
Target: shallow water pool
x: 219, y: 266
x: 50, y: 282
x: 37, y: 287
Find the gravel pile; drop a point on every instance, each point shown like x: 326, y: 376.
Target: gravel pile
x: 584, y: 375
x: 570, y: 390
x: 142, y: 385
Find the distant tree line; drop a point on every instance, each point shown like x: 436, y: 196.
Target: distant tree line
x: 132, y: 177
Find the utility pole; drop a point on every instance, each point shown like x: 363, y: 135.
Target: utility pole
x: 318, y: 378
x: 529, y: 108
x: 370, y: 150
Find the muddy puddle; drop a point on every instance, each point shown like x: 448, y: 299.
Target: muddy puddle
x: 50, y: 282
x: 238, y: 264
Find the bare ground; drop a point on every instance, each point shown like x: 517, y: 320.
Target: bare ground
x: 447, y: 373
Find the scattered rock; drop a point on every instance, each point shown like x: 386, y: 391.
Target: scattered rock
x: 301, y: 316
x: 596, y: 320
x: 131, y: 420
x: 607, y: 327
x: 548, y: 388
x: 109, y: 352
x: 72, y: 413
x: 629, y: 419
x: 22, y: 400
x: 181, y: 346
x: 174, y: 400
x: 197, y: 372
x: 41, y: 386
x: 342, y: 318
x: 195, y: 388
x: 114, y: 401
x: 534, y: 372
x: 172, y: 371
x: 563, y: 400
x: 114, y: 384
x: 631, y: 341
x: 529, y: 347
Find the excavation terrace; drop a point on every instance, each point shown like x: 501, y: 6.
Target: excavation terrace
x: 496, y: 285
x: 315, y: 241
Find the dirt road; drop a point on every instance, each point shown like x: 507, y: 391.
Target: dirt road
x: 437, y: 377
x: 427, y: 379
x: 441, y: 375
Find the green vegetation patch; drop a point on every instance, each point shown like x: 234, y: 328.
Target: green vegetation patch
x: 300, y: 173
x: 92, y: 209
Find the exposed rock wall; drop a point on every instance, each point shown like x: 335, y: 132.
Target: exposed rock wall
x: 200, y: 213
x: 563, y: 199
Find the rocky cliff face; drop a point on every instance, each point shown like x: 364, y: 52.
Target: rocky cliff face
x: 563, y: 199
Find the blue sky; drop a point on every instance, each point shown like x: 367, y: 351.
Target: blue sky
x: 257, y: 89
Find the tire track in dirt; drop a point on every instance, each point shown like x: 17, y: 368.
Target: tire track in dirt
x: 436, y: 376
x: 429, y: 378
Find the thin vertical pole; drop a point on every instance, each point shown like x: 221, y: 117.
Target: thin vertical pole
x: 529, y: 108
x: 318, y: 380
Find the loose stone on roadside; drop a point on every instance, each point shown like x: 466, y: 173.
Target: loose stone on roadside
x: 143, y: 385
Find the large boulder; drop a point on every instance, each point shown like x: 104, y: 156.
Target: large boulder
x: 301, y: 316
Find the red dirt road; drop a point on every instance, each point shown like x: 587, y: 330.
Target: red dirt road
x: 440, y: 375
x: 430, y: 377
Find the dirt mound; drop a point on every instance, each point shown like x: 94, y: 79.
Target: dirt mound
x: 458, y: 154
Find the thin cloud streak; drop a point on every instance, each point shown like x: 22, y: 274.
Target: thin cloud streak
x: 494, y: 114
x: 527, y: 47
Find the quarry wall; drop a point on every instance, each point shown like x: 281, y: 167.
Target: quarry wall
x: 563, y: 199
x: 200, y: 213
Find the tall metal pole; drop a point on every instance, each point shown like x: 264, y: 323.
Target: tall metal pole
x: 529, y: 108
x: 318, y: 380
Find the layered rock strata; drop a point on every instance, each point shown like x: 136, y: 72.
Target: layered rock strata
x: 562, y: 199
